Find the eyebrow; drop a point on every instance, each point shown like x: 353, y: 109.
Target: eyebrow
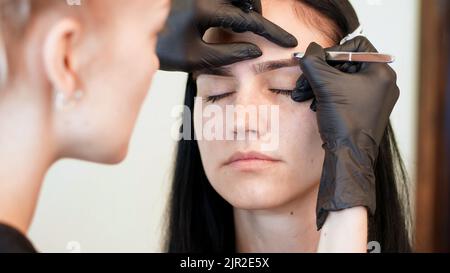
x: 274, y: 65
x: 257, y: 68
x: 215, y: 71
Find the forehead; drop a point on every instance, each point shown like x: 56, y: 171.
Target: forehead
x: 284, y: 13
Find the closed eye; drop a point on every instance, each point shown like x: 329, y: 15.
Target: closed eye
x: 282, y: 92
x: 218, y: 97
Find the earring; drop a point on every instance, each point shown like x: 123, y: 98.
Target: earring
x: 63, y: 102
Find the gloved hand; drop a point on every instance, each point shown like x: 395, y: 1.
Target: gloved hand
x: 353, y: 109
x: 181, y: 46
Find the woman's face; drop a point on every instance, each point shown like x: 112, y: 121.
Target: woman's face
x: 241, y: 171
x: 116, y: 66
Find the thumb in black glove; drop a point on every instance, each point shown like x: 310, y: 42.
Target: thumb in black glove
x: 181, y: 46
x: 353, y: 112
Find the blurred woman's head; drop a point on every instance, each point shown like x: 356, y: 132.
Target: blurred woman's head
x: 83, y: 70
x: 213, y: 177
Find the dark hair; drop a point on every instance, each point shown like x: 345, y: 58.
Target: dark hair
x: 201, y: 221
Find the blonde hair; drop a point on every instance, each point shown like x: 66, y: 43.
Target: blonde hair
x: 3, y: 61
x: 13, y: 17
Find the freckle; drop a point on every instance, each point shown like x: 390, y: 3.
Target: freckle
x: 292, y: 213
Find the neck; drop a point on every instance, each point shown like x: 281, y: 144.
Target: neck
x: 25, y: 156
x: 289, y: 228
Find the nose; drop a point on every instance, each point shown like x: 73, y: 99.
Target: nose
x: 249, y: 113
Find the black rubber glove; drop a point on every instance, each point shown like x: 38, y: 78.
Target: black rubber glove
x: 353, y: 110
x: 181, y: 46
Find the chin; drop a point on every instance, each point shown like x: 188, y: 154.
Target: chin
x: 252, y: 203
x: 115, y: 160
x: 258, y: 195
x: 112, y: 155
x: 118, y: 156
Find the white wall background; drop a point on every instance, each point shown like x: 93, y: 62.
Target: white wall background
x: 96, y: 208
x: 393, y: 26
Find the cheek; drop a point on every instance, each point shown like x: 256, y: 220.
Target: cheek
x: 122, y: 67
x: 142, y: 67
x: 115, y: 92
x: 302, y: 144
x: 208, y: 149
x: 153, y: 60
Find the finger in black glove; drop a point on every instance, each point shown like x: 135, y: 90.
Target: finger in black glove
x: 353, y: 111
x: 181, y: 46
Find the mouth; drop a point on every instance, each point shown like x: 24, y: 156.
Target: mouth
x: 251, y: 161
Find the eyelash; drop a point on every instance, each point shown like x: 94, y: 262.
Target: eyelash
x: 216, y: 98
x: 282, y: 92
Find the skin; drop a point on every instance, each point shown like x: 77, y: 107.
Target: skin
x: 271, y: 197
x: 65, y: 50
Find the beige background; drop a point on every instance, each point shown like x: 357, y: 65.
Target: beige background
x: 94, y: 208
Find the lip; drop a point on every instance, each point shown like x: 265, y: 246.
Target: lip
x: 250, y: 160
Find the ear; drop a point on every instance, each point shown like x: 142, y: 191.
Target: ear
x: 59, y: 55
